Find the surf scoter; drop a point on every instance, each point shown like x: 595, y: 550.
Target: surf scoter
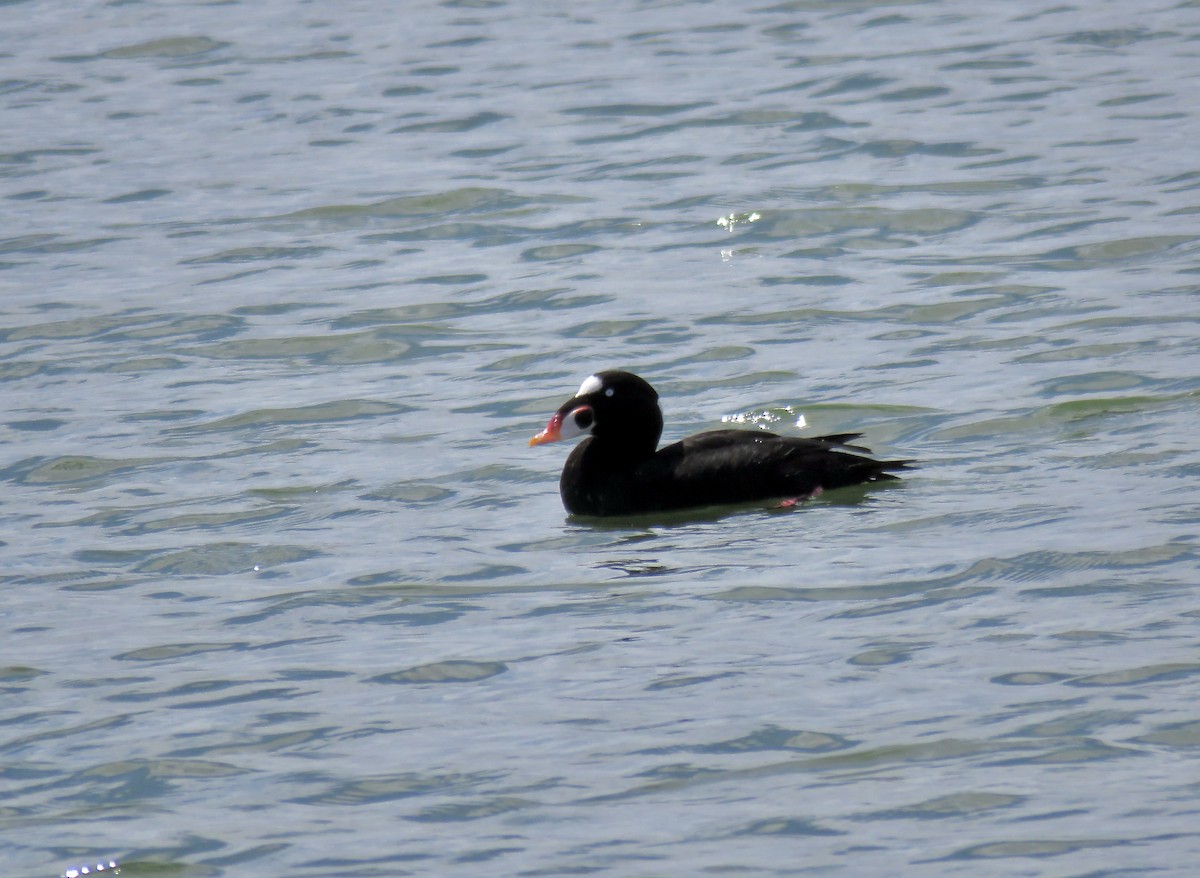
x: 617, y: 471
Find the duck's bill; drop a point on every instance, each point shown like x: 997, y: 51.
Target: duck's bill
x: 552, y: 433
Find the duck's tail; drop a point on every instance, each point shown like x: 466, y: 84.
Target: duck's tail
x: 884, y: 469
x: 878, y: 470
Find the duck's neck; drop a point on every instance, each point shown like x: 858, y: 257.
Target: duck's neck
x: 632, y: 440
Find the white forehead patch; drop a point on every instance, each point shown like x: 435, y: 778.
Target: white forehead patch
x: 590, y: 384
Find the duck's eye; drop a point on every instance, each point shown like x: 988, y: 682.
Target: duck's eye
x: 608, y: 391
x: 583, y: 419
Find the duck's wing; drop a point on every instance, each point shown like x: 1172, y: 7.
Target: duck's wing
x: 733, y: 466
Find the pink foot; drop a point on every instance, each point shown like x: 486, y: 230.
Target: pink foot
x: 796, y: 501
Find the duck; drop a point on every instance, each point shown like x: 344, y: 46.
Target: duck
x: 618, y: 468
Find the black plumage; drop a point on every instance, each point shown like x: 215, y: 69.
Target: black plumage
x: 619, y: 470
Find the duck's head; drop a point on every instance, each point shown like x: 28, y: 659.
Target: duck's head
x: 614, y: 407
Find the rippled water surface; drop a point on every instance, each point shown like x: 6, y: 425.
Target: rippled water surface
x: 285, y: 288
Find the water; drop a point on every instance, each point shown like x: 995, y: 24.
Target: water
x: 286, y: 289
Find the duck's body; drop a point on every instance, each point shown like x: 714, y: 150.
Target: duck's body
x: 618, y: 471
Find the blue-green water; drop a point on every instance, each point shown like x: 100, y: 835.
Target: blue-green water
x: 285, y: 289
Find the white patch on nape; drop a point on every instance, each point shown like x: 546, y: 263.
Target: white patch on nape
x: 590, y: 384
